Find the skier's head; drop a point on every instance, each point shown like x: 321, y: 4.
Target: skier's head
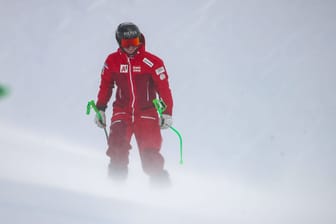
x: 128, y: 37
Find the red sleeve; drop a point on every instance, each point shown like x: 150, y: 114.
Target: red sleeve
x: 160, y: 78
x: 106, y: 86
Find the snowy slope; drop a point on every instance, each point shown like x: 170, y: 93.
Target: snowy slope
x: 253, y: 84
x: 47, y: 180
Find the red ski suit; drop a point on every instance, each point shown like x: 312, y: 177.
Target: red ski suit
x: 139, y: 79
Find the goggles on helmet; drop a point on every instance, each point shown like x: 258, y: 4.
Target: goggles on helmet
x: 130, y: 42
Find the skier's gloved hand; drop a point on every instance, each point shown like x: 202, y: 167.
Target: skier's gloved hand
x: 102, y: 123
x: 166, y: 121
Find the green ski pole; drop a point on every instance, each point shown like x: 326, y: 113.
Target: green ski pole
x: 161, y: 107
x: 3, y: 91
x: 91, y: 104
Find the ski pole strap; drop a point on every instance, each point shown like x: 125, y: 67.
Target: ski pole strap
x: 161, y: 107
x: 91, y: 104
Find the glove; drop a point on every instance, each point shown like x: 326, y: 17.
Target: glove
x: 102, y: 123
x: 166, y: 121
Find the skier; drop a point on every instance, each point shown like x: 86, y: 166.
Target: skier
x: 139, y: 77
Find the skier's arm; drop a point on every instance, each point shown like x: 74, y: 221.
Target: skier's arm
x: 160, y: 78
x: 106, y: 86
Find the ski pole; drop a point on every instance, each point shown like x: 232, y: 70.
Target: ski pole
x: 161, y: 107
x: 3, y: 91
x: 91, y: 104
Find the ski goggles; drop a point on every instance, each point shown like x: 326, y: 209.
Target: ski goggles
x: 130, y: 42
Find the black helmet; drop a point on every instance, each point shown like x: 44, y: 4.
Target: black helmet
x: 127, y: 31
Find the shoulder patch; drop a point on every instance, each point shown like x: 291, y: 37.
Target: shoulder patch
x: 159, y: 70
x: 162, y: 76
x: 148, y: 62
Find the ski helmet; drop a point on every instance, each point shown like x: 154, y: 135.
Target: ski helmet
x: 127, y: 31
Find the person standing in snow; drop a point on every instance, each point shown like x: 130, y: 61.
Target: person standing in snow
x: 139, y: 77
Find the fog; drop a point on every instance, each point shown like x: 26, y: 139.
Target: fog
x: 254, y: 99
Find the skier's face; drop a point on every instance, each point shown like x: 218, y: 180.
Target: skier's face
x: 130, y: 49
x: 130, y: 46
x: 125, y: 43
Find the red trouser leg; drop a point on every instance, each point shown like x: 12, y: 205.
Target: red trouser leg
x: 119, y: 143
x: 148, y: 136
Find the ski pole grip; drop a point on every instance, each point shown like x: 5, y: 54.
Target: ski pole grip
x: 160, y: 106
x: 91, y: 104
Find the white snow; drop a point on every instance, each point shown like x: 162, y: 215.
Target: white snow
x: 253, y: 85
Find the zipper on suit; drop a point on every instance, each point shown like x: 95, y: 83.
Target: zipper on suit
x: 147, y: 91
x: 120, y: 93
x: 132, y: 88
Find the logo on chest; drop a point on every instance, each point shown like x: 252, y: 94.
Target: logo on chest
x: 136, y: 68
x: 123, y: 68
